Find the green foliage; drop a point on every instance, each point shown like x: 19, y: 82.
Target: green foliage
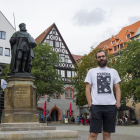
x: 48, y: 81
x: 128, y: 67
x: 86, y: 63
x: 5, y: 71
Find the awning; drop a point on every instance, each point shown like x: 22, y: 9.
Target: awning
x: 124, y: 107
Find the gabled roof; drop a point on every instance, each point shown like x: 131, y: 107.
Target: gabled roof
x: 104, y: 43
x: 114, y: 37
x: 43, y: 35
x: 130, y: 31
x: 7, y: 20
x: 134, y: 29
x: 77, y: 57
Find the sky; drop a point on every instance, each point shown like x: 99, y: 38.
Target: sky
x: 82, y: 23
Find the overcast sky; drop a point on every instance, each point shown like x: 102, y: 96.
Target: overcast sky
x: 82, y: 23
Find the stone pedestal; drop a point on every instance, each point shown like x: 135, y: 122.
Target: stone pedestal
x: 20, y: 104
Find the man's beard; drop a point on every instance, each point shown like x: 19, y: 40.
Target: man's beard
x: 102, y: 63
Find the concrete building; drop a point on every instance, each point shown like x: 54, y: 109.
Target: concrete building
x: 6, y: 31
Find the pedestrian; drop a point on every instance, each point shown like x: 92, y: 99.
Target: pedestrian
x: 100, y: 97
x: 42, y: 118
x: 78, y: 120
x: 87, y: 119
x: 82, y: 119
x: 139, y: 120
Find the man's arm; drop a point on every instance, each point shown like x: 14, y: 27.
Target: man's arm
x: 118, y: 94
x: 88, y: 94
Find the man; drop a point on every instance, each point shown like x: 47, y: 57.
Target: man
x: 99, y: 93
x: 22, y: 54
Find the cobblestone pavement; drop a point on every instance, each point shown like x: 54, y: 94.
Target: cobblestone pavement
x: 122, y: 132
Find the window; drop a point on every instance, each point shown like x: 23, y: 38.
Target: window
x: 66, y: 58
x: 69, y: 94
x: 137, y: 38
x: 56, y: 44
x: 62, y: 73
x: 56, y: 96
x: 7, y: 52
x: 2, y: 35
x: 1, y: 50
x: 115, y: 48
x: 69, y: 61
x: 71, y: 113
x: 73, y: 73
x: 128, y: 36
x: 68, y: 73
x: 121, y: 46
x: 62, y: 58
x: 113, y: 41
x: 51, y: 43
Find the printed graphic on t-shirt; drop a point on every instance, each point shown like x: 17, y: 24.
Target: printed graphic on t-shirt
x: 103, y: 83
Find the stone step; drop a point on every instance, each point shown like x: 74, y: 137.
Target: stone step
x: 40, y: 134
x: 27, y: 128
x: 23, y: 124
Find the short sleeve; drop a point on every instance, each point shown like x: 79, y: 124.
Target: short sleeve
x: 88, y: 78
x: 116, y: 77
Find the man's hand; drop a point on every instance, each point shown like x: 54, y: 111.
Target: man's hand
x: 118, y: 105
x: 118, y: 95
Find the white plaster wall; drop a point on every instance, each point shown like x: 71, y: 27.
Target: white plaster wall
x: 63, y: 104
x: 6, y: 27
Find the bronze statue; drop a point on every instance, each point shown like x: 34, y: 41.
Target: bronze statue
x: 22, y: 53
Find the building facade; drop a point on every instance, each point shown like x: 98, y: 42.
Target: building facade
x: 58, y: 107
x: 6, y: 31
x: 115, y: 43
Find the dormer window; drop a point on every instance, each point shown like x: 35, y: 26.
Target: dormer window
x: 115, y: 48
x: 128, y: 36
x: 121, y: 46
x: 113, y: 41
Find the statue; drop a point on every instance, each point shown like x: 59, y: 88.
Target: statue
x: 21, y: 49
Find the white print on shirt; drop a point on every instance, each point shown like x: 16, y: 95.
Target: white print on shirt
x: 103, y: 82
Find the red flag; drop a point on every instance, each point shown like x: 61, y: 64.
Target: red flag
x: 44, y: 113
x: 70, y: 109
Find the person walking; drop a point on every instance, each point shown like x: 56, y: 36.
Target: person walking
x: 100, y: 97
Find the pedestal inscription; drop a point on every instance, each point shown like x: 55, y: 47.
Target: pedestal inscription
x: 22, y: 96
x: 20, y: 104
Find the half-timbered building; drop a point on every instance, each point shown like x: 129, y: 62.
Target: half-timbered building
x: 58, y: 108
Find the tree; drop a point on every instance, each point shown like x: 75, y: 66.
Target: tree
x: 128, y: 67
x: 87, y: 62
x: 48, y: 81
x: 5, y: 71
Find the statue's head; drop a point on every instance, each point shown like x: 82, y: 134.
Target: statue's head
x: 22, y: 27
